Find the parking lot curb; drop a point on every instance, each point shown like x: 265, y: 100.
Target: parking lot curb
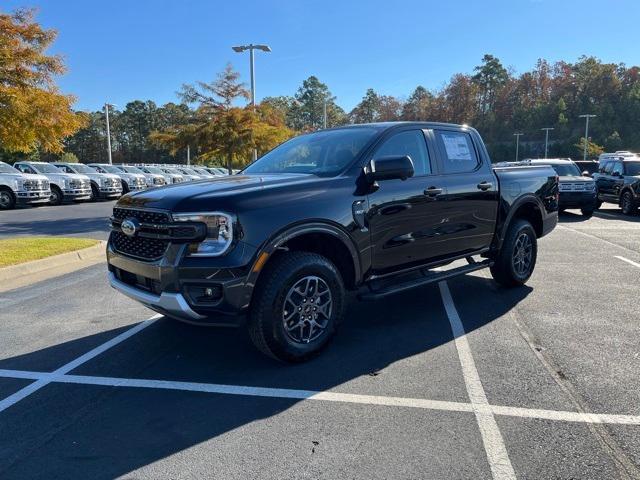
x: 23, y: 274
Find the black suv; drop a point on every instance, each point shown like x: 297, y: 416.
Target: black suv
x: 373, y: 208
x: 576, y: 190
x: 618, y: 181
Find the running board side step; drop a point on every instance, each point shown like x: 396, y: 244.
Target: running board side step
x: 380, y: 289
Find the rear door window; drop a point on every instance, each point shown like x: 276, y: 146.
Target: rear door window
x: 458, y: 151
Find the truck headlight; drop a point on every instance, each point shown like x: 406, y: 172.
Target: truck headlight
x: 219, y: 233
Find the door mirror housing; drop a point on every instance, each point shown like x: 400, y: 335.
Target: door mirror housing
x: 586, y: 174
x: 389, y: 168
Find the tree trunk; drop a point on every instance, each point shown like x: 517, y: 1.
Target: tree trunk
x: 229, y: 156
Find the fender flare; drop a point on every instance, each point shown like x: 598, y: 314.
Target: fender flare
x: 528, y: 198
x: 293, y: 231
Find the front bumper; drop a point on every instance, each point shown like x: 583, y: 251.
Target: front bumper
x: 578, y: 199
x: 77, y: 194
x: 136, y: 187
x: 28, y: 197
x: 108, y: 192
x: 174, y: 285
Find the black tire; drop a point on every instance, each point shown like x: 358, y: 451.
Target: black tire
x: 598, y: 204
x: 587, y: 212
x: 57, y: 196
x: 95, y: 193
x: 125, y: 187
x: 507, y: 269
x: 7, y: 199
x: 272, y: 297
x: 628, y: 204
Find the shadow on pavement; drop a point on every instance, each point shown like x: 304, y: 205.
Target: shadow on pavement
x: 65, y: 226
x: 78, y: 431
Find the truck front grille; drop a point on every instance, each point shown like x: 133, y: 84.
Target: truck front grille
x: 146, y: 216
x: 139, y: 247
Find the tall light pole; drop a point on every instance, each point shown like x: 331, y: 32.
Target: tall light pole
x: 324, y: 113
x: 251, y: 47
x: 546, y: 140
x: 188, y: 154
x: 517, y: 135
x: 586, y: 132
x: 106, y: 112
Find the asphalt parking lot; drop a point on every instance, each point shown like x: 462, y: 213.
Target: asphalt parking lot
x: 457, y: 380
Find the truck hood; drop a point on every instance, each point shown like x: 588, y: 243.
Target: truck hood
x: 169, y: 197
x: 67, y: 176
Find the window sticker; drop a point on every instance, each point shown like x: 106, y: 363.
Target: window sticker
x: 456, y: 146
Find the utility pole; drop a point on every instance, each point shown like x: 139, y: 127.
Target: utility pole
x: 188, y: 155
x: 546, y: 140
x: 517, y: 135
x: 106, y: 112
x: 251, y: 47
x: 586, y: 132
x: 324, y: 112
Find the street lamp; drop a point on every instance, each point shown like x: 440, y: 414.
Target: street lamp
x: 586, y: 132
x: 106, y: 112
x: 251, y: 47
x: 517, y: 135
x: 546, y: 139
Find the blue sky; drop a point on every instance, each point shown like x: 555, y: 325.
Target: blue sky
x: 119, y: 51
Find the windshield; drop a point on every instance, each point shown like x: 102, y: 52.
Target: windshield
x: 5, y: 168
x: 111, y: 169
x: 132, y: 169
x: 188, y: 171
x: 324, y: 153
x: 153, y: 170
x: 45, y: 168
x: 82, y: 168
x: 201, y: 171
x: 566, y: 169
x: 632, y: 168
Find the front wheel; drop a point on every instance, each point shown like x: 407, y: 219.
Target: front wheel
x: 297, y: 306
x: 7, y: 200
x: 56, y: 196
x: 628, y: 203
x: 587, y: 212
x: 516, y: 259
x: 95, y: 193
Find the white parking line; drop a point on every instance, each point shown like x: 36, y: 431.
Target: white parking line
x: 421, y: 403
x: 47, y: 378
x: 495, y: 448
x: 630, y: 262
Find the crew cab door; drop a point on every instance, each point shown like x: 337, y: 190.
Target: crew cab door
x: 471, y: 200
x: 405, y: 215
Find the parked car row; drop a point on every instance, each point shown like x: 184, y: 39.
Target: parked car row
x: 32, y: 183
x: 615, y: 179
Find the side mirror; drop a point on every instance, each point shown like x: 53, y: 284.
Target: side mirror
x: 389, y: 168
x: 586, y: 173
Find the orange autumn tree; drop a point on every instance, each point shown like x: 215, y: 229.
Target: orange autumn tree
x: 34, y: 114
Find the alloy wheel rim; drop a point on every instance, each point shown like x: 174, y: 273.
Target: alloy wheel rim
x: 5, y: 199
x: 522, y: 254
x: 54, y: 196
x: 307, y: 309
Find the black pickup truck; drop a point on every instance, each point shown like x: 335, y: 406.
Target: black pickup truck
x: 373, y: 208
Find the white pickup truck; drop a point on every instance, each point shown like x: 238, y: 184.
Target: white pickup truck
x: 19, y: 189
x: 103, y: 185
x: 64, y: 186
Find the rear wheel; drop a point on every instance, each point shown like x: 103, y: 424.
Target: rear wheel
x: 296, y: 307
x: 7, y: 199
x: 125, y: 187
x: 516, y: 259
x: 628, y: 204
x: 56, y: 196
x: 598, y: 204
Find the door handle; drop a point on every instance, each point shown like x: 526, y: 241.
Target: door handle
x: 433, y: 191
x: 484, y: 186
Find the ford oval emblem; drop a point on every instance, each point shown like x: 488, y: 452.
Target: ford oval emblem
x: 129, y: 226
